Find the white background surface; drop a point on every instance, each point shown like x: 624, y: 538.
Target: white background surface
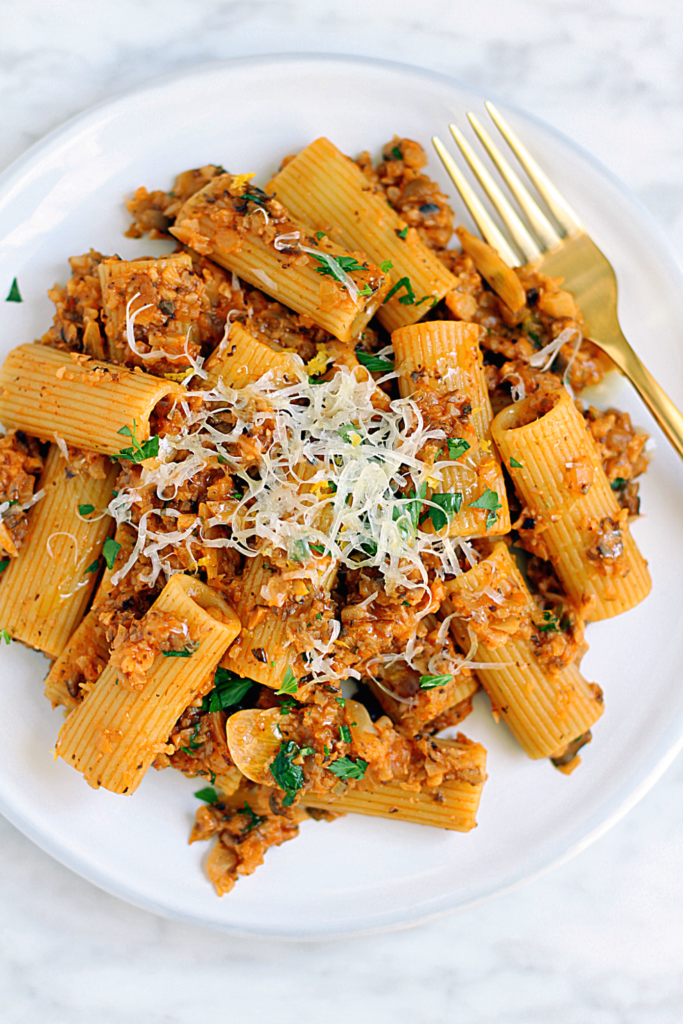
x: 600, y: 941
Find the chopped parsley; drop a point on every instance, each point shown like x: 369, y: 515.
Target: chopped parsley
x: 5, y: 563
x: 449, y: 505
x: 208, y: 795
x: 431, y: 682
x: 307, y: 751
x: 347, y: 768
x: 326, y: 749
x: 337, y: 266
x: 85, y: 510
x: 550, y: 623
x: 110, y: 550
x: 254, y: 819
x: 320, y: 235
x: 344, y: 733
x: 488, y: 500
x: 375, y: 364
x: 288, y: 776
x: 341, y: 702
x: 193, y: 738
x: 93, y: 567
x: 396, y: 153
x: 289, y: 682
x: 403, y: 232
x: 514, y: 463
x: 4, y: 635
x: 137, y: 452
x: 185, y: 652
x: 457, y: 446
x: 228, y: 689
x: 406, y: 300
x: 318, y: 549
x: 347, y: 432
x: 535, y: 338
x: 287, y: 705
x: 14, y: 293
x: 386, y: 266
x: 618, y: 483
x: 365, y: 290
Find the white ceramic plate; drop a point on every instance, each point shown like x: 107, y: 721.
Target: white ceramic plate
x: 358, y: 874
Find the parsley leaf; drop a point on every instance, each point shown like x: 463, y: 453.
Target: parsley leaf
x: 386, y: 266
x: 14, y: 293
x: 449, y: 506
x: 550, y: 623
x: 457, y: 446
x: 5, y: 563
x: 365, y: 290
x: 403, y: 232
x: 289, y: 682
x: 345, y: 733
x: 396, y: 153
x: 110, y: 550
x: 488, y: 500
x: 307, y: 751
x: 431, y: 682
x: 406, y: 300
x: 85, y: 510
x: 375, y: 364
x: 287, y: 705
x: 93, y: 567
x: 618, y: 483
x: 514, y: 463
x: 185, y: 652
x: 228, y: 689
x: 341, y: 702
x: 287, y: 775
x: 137, y: 452
x: 208, y: 794
x: 337, y: 266
x: 254, y: 819
x: 347, y: 768
x: 4, y: 635
x: 320, y: 235
x: 535, y: 338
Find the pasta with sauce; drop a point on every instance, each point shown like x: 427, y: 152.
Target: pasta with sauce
x: 271, y: 545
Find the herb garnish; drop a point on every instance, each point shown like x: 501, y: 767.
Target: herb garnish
x: 385, y: 266
x: 208, y: 794
x: 396, y: 153
x: 431, y: 682
x: 341, y: 702
x: 514, y: 463
x: 406, y: 300
x: 347, y: 768
x: 137, y: 452
x: 550, y: 623
x: 488, y: 500
x: 4, y: 635
x: 110, y: 550
x: 287, y: 705
x: 344, y: 733
x: 288, y: 776
x: 5, y: 563
x: 93, y: 567
x: 14, y: 293
x: 85, y: 510
x: 618, y: 483
x: 254, y: 819
x: 185, y: 652
x: 289, y: 682
x: 337, y: 266
x: 345, y: 432
x: 373, y: 363
x: 320, y: 235
x: 449, y: 506
x: 457, y: 446
x: 228, y: 689
x: 403, y: 232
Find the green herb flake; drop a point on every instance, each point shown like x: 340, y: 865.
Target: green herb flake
x: 289, y: 682
x: 229, y: 689
x: 287, y: 705
x: 403, y: 232
x: 618, y: 483
x: 185, y: 750
x: 288, y: 776
x: 319, y: 549
x: 449, y: 505
x: 5, y: 563
x: 208, y: 795
x: 186, y: 652
x: 488, y: 500
x: 85, y: 510
x: 320, y: 235
x: 347, y: 768
x: 375, y: 364
x: 326, y: 749
x: 337, y: 266
x: 4, y: 635
x: 110, y: 550
x: 386, y: 266
x: 307, y: 751
x: 365, y: 290
x: 344, y: 734
x: 406, y: 300
x: 457, y: 446
x: 137, y: 452
x: 431, y: 682
x: 550, y: 623
x: 396, y: 153
x: 14, y: 293
x: 254, y: 819
x: 514, y: 463
x: 341, y: 702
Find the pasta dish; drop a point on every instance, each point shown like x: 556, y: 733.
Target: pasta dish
x: 278, y: 503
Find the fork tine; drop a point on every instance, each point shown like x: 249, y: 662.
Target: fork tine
x: 538, y: 220
x: 488, y: 229
x: 561, y: 209
x: 523, y: 239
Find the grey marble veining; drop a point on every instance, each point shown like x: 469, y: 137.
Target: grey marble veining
x: 598, y: 941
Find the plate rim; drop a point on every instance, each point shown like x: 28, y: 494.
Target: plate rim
x: 650, y: 771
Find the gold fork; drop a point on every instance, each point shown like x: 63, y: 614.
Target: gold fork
x: 571, y: 254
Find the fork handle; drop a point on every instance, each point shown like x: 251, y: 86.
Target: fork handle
x: 667, y: 415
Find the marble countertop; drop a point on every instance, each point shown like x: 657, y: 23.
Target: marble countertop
x: 600, y: 939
